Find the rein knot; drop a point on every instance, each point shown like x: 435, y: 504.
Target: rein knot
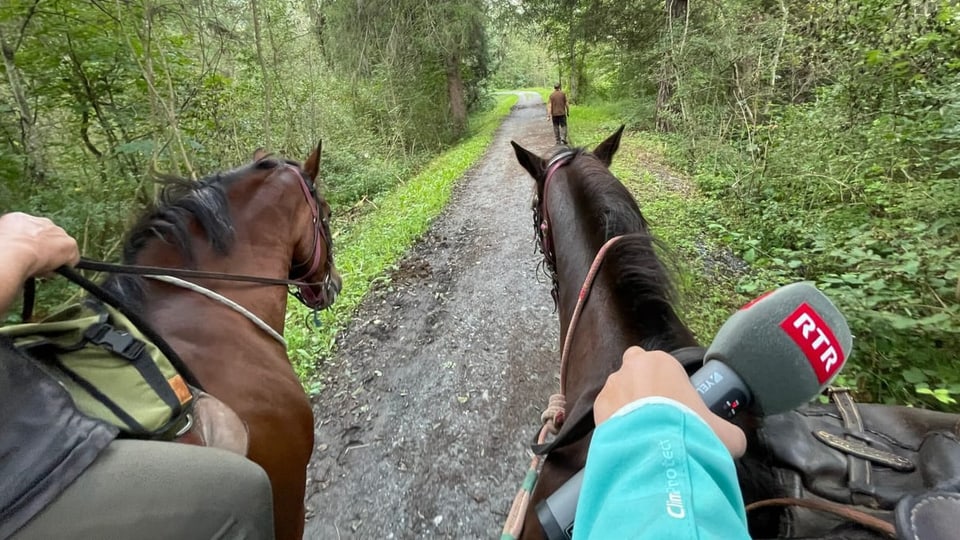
x: 555, y: 413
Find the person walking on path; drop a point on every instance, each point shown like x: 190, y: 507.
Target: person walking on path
x: 557, y: 110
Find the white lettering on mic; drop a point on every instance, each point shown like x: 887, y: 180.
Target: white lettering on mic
x: 807, y: 326
x: 711, y: 381
x: 674, y: 481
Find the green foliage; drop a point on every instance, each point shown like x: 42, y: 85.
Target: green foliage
x: 823, y: 137
x: 427, y: 61
x: 519, y: 60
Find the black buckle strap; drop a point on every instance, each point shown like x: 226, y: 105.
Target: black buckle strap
x: 107, y: 297
x: 859, y: 470
x: 135, y: 351
x: 119, y: 342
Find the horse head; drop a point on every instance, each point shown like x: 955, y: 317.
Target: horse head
x: 312, y: 262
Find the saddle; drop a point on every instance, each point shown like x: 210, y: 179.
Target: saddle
x: 215, y: 424
x: 837, y: 471
x: 853, y: 471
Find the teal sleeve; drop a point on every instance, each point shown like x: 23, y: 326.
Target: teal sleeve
x: 659, y: 471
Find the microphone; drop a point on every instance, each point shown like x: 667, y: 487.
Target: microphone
x: 778, y: 352
x: 775, y: 354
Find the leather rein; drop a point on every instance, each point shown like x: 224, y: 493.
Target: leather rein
x: 142, y: 270
x: 555, y: 414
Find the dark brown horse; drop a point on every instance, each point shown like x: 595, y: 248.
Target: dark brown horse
x: 580, y: 206
x: 263, y: 219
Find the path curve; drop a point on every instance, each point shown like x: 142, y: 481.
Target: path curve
x: 438, y: 384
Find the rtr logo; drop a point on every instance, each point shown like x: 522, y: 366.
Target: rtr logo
x: 816, y: 340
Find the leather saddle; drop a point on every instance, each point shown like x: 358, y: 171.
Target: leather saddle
x: 848, y: 470
x: 212, y: 423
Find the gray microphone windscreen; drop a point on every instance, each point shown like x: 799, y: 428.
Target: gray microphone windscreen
x: 786, y: 346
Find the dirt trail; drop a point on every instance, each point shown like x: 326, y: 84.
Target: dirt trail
x: 438, y: 384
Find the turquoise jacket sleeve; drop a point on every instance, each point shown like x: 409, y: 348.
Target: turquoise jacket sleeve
x: 656, y: 470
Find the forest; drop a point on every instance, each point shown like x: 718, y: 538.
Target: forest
x: 822, y: 138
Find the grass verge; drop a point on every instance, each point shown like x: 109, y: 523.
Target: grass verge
x: 369, y: 246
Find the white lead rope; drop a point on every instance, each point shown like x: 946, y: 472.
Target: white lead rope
x: 225, y: 301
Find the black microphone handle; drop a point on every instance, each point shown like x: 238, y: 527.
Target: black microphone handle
x: 720, y: 388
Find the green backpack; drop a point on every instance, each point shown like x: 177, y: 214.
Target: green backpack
x: 112, y: 369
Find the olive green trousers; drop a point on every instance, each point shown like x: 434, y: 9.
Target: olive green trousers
x: 148, y: 490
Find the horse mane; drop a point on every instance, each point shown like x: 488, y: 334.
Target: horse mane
x: 169, y: 219
x: 643, y: 285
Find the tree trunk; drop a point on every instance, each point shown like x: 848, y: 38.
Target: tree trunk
x: 85, y: 92
x: 776, y: 53
x: 559, y: 70
x: 457, y: 92
x: 319, y: 22
x: 267, y: 94
x: 164, y: 110
x: 675, y: 10
x: 575, y: 76
x: 29, y: 138
x: 574, y: 69
x: 664, y: 93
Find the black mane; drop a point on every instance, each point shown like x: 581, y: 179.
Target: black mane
x: 169, y: 219
x: 642, y: 284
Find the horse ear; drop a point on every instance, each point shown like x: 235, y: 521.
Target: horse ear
x: 529, y: 161
x: 605, y: 150
x: 312, y: 165
x: 259, y: 154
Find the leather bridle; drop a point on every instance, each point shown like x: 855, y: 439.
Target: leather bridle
x: 321, y: 231
x: 543, y: 227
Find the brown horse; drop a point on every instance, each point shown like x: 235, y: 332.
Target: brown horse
x: 263, y: 219
x: 580, y: 206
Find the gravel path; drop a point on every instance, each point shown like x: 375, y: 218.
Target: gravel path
x: 438, y: 384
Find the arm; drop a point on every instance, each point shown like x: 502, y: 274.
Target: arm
x: 30, y: 246
x: 660, y: 463
x: 658, y: 471
x: 549, y: 111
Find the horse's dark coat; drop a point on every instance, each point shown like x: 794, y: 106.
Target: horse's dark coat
x: 631, y: 302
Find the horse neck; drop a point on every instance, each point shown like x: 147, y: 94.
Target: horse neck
x: 604, y: 330
x: 576, y: 245
x: 600, y: 335
x: 254, y: 253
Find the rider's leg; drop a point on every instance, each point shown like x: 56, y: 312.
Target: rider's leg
x: 158, y: 490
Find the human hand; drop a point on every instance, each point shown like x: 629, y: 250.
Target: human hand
x: 656, y: 373
x: 36, y: 244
